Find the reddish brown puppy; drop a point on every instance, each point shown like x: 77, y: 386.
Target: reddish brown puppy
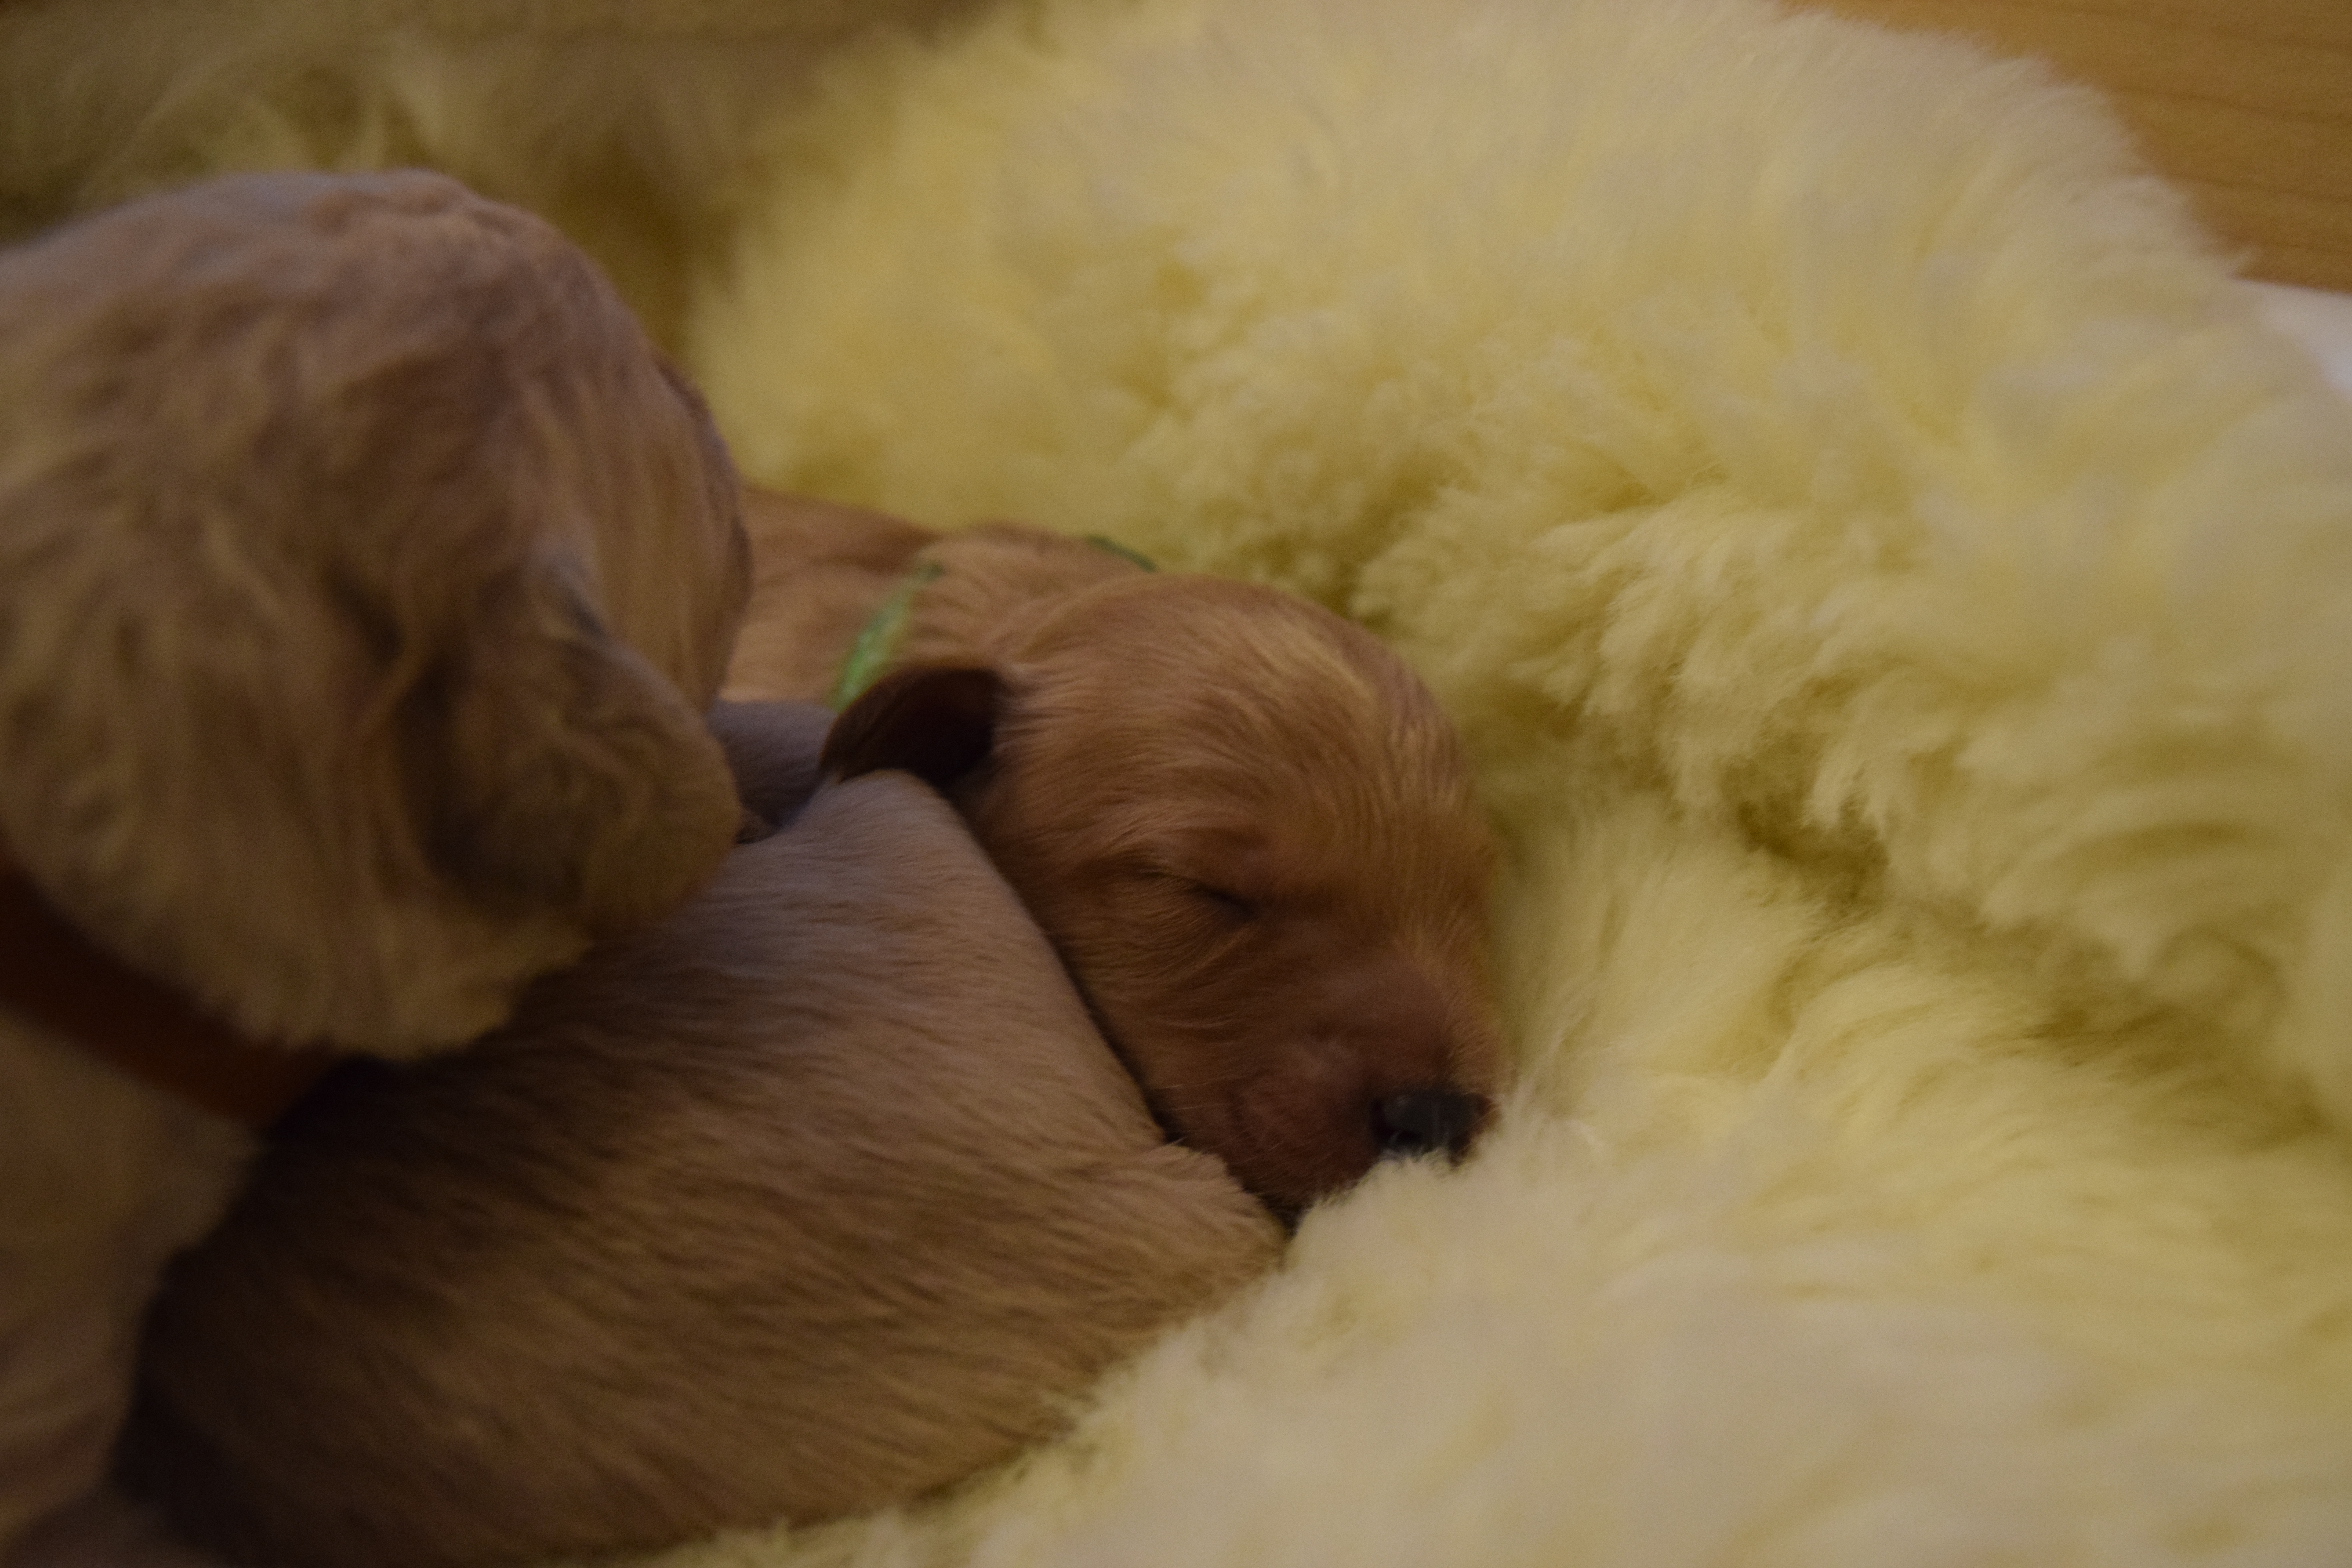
x: 1243, y: 824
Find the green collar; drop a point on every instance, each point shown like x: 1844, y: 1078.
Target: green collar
x: 1133, y: 557
x: 879, y: 639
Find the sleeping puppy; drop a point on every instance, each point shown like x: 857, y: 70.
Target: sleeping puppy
x: 1242, y: 821
x: 362, y: 576
x: 819, y: 1194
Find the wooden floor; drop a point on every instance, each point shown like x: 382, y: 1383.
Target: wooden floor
x: 2247, y: 103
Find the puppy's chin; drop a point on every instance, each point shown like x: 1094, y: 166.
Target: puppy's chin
x: 1289, y: 1139
x: 1305, y: 1117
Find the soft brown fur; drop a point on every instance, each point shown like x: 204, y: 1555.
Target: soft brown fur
x: 364, y: 573
x: 822, y: 1194
x: 1244, y: 825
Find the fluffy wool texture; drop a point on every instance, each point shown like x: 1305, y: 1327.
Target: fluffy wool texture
x: 1900, y: 601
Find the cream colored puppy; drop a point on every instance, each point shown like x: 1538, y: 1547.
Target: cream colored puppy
x: 362, y: 574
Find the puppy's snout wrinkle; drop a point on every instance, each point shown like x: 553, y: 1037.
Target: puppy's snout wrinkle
x: 1400, y: 1020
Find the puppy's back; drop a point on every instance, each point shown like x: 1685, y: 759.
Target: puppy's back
x: 817, y: 571
x: 820, y: 1195
x: 821, y: 570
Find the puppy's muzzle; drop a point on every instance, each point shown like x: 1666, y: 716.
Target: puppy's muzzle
x: 1428, y: 1122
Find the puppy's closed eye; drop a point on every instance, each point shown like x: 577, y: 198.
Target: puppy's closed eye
x: 1207, y: 905
x: 1224, y: 902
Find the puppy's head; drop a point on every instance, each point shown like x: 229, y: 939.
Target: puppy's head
x: 1249, y: 831
x: 362, y: 574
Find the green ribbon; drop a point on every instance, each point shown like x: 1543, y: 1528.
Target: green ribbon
x: 1133, y: 557
x: 879, y: 639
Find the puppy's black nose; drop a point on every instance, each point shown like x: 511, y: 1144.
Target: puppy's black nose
x: 1427, y: 1120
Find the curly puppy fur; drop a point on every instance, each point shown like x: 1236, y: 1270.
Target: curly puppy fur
x: 362, y: 575
x: 820, y: 1193
x: 1245, y: 825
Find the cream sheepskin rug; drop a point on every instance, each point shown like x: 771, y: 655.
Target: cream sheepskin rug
x: 1900, y: 603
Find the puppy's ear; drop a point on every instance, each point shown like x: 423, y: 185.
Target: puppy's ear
x: 936, y: 722
x: 556, y: 768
